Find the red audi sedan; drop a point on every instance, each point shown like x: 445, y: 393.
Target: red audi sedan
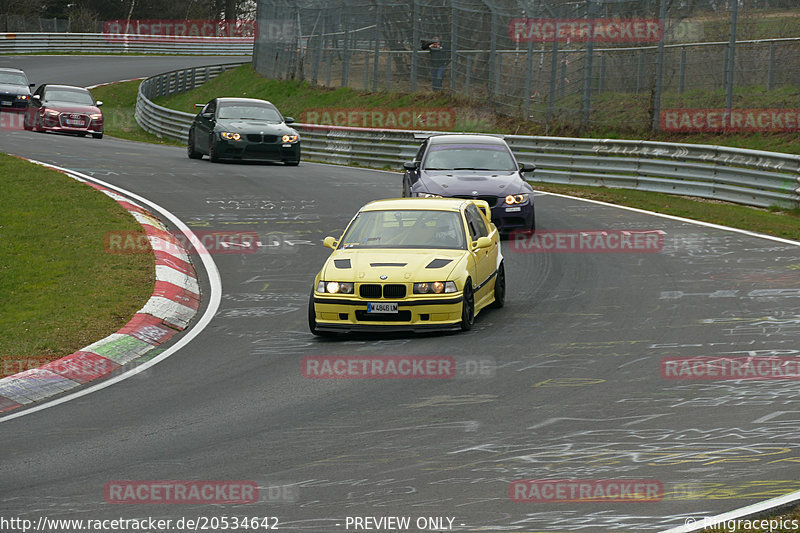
x: 64, y: 109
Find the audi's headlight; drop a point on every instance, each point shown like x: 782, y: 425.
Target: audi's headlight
x: 51, y: 113
x: 230, y: 136
x: 434, y: 287
x: 289, y: 138
x: 335, y: 287
x: 516, y: 199
x: 96, y: 116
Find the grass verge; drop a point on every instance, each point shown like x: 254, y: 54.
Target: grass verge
x: 119, y: 104
x: 59, y: 289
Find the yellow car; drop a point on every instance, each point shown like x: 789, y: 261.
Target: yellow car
x: 411, y: 264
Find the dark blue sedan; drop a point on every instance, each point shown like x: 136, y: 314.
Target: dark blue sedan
x: 474, y: 166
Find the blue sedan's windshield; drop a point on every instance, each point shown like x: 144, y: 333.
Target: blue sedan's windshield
x: 12, y: 78
x: 470, y: 157
x: 405, y: 229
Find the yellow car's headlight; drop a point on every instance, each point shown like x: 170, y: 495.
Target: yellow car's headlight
x: 430, y: 195
x: 230, y: 136
x: 289, y: 138
x: 335, y: 287
x: 516, y: 199
x: 434, y: 287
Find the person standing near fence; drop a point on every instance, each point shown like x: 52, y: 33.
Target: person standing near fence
x: 438, y: 59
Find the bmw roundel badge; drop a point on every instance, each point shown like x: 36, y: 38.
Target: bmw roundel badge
x: 384, y: 276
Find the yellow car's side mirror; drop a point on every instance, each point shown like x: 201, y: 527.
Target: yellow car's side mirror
x: 482, y: 242
x: 330, y: 242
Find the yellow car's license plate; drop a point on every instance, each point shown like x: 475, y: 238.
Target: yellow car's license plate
x: 381, y: 307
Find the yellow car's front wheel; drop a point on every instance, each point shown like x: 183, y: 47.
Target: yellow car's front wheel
x: 468, y: 307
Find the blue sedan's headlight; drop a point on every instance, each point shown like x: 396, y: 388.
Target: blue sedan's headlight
x: 512, y: 199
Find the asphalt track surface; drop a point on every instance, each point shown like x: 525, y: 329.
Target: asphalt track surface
x: 576, y: 392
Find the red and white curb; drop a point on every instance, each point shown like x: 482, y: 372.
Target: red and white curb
x: 175, y: 301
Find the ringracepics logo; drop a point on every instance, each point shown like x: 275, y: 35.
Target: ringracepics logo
x: 585, y: 490
x: 587, y: 241
x: 730, y: 368
x: 213, y: 242
x: 383, y: 118
x: 123, y: 30
x: 599, y: 30
x: 181, y: 492
x: 724, y: 120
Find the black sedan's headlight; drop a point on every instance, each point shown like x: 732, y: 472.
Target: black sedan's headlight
x: 230, y: 136
x: 290, y: 138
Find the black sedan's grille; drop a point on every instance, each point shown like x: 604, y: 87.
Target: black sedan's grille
x: 491, y: 200
x: 258, y: 138
x: 375, y: 290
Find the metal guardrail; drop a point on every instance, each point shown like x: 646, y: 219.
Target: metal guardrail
x: 31, y: 43
x: 750, y: 177
x: 164, y: 122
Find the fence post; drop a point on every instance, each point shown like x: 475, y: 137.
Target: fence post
x: 682, y: 78
x: 414, y: 45
x: 587, y: 69
x: 453, y: 44
x: 346, y: 53
x: 376, y: 49
x: 771, y: 68
x: 660, y: 67
x: 551, y: 101
x: 731, y: 58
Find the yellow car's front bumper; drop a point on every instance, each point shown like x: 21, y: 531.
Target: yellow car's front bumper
x: 349, y: 313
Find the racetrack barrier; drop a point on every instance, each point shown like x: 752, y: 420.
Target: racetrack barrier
x: 749, y: 177
x: 33, y: 43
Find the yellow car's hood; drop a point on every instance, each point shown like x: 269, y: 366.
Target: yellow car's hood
x: 398, y: 265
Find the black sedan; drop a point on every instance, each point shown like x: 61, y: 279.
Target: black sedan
x: 243, y: 129
x: 15, y: 91
x: 474, y: 166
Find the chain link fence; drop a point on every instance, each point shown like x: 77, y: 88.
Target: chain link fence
x: 552, y: 61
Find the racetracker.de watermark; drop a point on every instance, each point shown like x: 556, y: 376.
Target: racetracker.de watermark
x: 123, y: 30
x: 382, y: 118
x: 181, y: 492
x: 599, y: 30
x: 396, y: 367
x: 587, y: 241
x: 585, y: 490
x: 83, y: 367
x: 213, y: 242
x: 733, y: 120
x: 708, y: 368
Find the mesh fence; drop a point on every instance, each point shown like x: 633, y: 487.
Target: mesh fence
x: 550, y: 61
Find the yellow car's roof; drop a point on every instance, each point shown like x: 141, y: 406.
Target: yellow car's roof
x: 433, y: 204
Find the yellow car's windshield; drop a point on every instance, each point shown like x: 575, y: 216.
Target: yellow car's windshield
x: 405, y: 229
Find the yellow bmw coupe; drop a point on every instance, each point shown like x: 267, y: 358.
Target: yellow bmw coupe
x: 411, y: 264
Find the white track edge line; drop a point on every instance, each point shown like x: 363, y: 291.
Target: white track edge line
x: 674, y: 217
x: 214, y: 301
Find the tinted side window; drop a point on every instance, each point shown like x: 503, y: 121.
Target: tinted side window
x: 421, y: 151
x: 477, y: 226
